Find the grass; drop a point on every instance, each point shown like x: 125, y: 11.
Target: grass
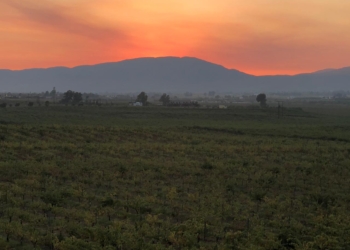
x: 173, y: 178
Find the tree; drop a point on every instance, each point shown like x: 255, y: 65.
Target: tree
x: 261, y: 98
x: 67, y: 97
x: 72, y: 97
x: 53, y: 92
x: 77, y: 98
x: 165, y: 99
x: 142, y: 97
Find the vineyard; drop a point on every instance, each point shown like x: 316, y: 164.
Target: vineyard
x: 173, y: 178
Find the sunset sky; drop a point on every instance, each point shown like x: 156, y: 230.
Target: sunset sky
x: 254, y: 36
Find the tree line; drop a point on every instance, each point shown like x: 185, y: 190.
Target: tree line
x: 76, y: 98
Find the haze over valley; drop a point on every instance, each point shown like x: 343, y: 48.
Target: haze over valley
x: 168, y: 74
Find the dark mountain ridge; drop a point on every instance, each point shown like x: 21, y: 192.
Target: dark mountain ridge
x: 166, y: 74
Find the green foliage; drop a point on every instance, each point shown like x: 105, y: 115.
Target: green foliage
x: 157, y: 178
x: 53, y: 92
x: 142, y: 97
x: 109, y: 202
x: 261, y: 98
x: 207, y: 166
x: 71, y: 97
x: 165, y: 99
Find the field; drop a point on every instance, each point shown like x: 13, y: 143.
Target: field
x: 174, y: 178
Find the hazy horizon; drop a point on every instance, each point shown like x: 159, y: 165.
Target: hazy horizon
x: 167, y: 74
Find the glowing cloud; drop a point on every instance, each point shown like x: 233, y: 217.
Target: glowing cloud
x: 255, y: 36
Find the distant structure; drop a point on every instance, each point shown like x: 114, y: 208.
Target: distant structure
x: 222, y: 107
x: 137, y: 104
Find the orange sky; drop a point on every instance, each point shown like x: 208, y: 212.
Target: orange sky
x: 254, y: 36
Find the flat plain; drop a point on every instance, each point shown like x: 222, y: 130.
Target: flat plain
x: 109, y: 177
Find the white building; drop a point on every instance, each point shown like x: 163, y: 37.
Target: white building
x: 137, y: 104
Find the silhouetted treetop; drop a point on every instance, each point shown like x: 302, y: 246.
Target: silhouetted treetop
x: 165, y: 99
x: 142, y: 97
x: 261, y: 98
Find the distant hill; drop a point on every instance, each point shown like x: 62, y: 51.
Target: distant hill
x: 166, y: 74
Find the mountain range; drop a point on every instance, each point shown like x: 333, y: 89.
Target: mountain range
x: 167, y: 74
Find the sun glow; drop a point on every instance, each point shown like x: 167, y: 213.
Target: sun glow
x: 255, y: 36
